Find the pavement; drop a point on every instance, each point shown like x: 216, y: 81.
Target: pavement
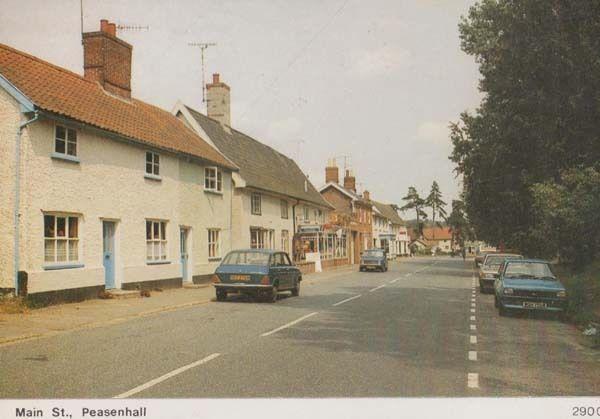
x: 419, y: 330
x: 57, y: 319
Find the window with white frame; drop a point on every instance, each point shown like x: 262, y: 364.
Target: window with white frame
x: 305, y: 214
x: 214, y: 249
x: 285, y: 240
x: 152, y: 163
x: 261, y: 238
x: 284, y: 209
x: 156, y: 240
x: 65, y: 141
x: 256, y: 203
x: 61, y: 238
x: 213, y: 179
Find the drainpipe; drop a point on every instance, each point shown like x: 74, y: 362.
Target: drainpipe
x: 18, y: 197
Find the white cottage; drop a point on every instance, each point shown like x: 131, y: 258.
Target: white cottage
x: 99, y: 190
x: 273, y: 200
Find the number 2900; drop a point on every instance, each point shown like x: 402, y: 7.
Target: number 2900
x: 586, y: 411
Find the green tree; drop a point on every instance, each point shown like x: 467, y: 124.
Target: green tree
x: 414, y: 201
x: 437, y: 205
x: 568, y: 213
x: 540, y: 114
x: 458, y: 223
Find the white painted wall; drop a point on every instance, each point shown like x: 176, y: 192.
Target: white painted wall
x: 270, y: 218
x: 109, y: 183
x: 9, y: 122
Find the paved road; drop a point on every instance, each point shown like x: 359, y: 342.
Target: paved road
x: 416, y: 330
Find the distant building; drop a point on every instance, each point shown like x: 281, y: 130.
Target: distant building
x: 389, y: 230
x: 353, y: 214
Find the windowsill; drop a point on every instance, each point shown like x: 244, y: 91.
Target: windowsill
x: 62, y: 266
x: 158, y: 262
x: 213, y: 191
x: 215, y: 259
x: 254, y: 213
x: 152, y: 177
x: 65, y: 157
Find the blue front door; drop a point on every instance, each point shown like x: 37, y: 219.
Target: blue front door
x: 183, y: 235
x: 108, y: 253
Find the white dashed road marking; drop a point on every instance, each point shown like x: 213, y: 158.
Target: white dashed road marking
x: 346, y: 300
x: 376, y: 288
x: 473, y: 339
x: 285, y: 326
x: 472, y: 355
x: 473, y: 327
x: 472, y: 318
x: 165, y: 377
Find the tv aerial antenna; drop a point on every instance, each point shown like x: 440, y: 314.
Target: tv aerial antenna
x: 203, y: 46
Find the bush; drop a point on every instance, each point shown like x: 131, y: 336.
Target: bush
x: 583, y: 290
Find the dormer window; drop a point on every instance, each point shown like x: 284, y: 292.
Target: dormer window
x: 213, y: 179
x: 65, y: 141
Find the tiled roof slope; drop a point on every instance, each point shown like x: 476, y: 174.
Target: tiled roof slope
x: 441, y: 233
x: 54, y: 89
x: 388, y: 212
x: 261, y: 166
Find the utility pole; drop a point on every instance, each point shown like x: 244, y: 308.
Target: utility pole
x: 203, y: 46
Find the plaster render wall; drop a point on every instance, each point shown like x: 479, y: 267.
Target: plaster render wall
x: 270, y: 218
x: 9, y: 122
x: 109, y: 183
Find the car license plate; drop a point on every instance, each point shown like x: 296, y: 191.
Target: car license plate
x: 240, y: 277
x: 529, y: 304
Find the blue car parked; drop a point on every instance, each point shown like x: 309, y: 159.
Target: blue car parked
x: 258, y: 272
x: 529, y: 284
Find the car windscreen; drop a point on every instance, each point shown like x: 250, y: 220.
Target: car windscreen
x: 373, y: 253
x: 246, y: 258
x: 529, y: 270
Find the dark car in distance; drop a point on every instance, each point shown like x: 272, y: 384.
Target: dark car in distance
x: 373, y: 259
x: 529, y: 284
x: 489, y: 270
x: 256, y: 272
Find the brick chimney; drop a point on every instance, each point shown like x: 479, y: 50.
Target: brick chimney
x: 218, y: 106
x: 367, y: 195
x: 350, y: 181
x: 332, y: 173
x: 107, y: 59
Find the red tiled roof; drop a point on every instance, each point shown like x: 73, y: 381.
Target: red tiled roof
x: 57, y: 90
x: 441, y: 233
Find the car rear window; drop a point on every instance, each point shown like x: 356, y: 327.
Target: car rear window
x: 374, y: 253
x: 246, y: 258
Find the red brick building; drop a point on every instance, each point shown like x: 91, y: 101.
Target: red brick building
x: 353, y: 213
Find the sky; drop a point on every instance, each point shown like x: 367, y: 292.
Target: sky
x: 375, y: 81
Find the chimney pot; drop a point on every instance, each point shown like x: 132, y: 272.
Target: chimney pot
x: 107, y: 59
x: 350, y: 181
x: 218, y: 101
x: 332, y: 172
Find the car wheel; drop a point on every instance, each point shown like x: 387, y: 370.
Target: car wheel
x: 221, y: 295
x: 501, y: 310
x: 481, y: 289
x: 296, y: 290
x: 495, y: 301
x: 273, y: 295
